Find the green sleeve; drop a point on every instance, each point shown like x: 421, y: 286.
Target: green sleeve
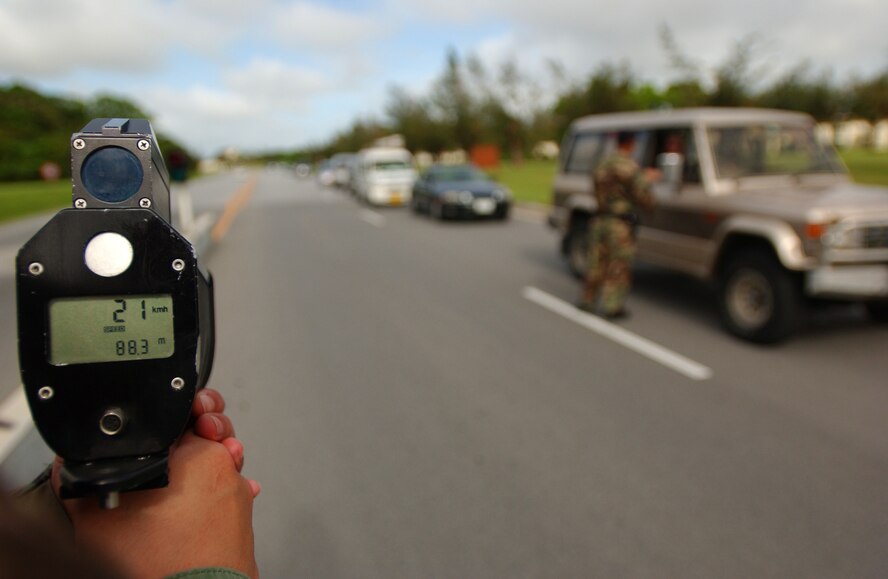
x: 641, y: 190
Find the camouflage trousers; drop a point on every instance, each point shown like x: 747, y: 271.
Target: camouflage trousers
x: 609, y: 269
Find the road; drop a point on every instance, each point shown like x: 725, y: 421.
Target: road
x: 417, y: 401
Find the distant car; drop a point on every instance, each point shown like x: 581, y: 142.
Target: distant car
x: 342, y: 166
x: 460, y: 191
x: 326, y: 175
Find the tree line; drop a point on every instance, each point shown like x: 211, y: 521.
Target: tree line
x: 36, y: 129
x: 468, y: 104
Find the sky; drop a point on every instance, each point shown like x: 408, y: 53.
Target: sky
x: 264, y: 75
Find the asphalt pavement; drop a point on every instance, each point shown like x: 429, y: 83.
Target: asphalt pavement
x: 417, y: 401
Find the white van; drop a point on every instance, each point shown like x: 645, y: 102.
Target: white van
x: 384, y: 176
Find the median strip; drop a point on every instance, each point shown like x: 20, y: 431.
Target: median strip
x: 232, y: 208
x: 625, y: 338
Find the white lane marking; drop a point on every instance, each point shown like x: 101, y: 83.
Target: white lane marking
x: 7, y: 261
x: 15, y: 422
x: 373, y: 218
x: 625, y: 338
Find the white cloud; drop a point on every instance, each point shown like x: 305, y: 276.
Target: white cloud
x: 843, y: 36
x: 274, y: 84
x: 321, y: 28
x: 56, y: 36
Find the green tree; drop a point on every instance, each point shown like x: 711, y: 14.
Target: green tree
x: 35, y: 129
x: 869, y: 98
x: 412, y: 117
x: 110, y: 106
x: 450, y: 95
x: 610, y: 89
x: 799, y: 90
x: 735, y: 77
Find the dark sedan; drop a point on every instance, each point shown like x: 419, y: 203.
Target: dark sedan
x: 460, y: 191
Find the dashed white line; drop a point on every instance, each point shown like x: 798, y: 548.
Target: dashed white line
x: 634, y: 342
x: 373, y: 218
x: 15, y: 422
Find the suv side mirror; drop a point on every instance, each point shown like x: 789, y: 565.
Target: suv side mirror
x: 671, y: 167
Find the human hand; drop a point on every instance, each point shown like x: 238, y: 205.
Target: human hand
x: 212, y: 424
x: 653, y: 175
x: 202, y: 519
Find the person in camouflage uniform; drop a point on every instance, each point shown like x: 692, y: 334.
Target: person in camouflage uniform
x: 621, y: 190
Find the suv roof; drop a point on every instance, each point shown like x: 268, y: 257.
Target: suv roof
x: 672, y: 117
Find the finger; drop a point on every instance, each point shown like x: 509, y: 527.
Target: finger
x: 207, y: 401
x: 214, y: 426
x: 236, y: 449
x: 255, y: 487
x: 55, y: 478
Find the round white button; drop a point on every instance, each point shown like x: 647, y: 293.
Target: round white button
x: 108, y: 254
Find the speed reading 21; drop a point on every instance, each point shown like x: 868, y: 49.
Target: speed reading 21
x: 122, y: 303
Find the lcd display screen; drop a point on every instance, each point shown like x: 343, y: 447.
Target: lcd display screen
x: 110, y: 329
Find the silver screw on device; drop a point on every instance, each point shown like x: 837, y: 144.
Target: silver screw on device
x: 35, y: 268
x: 145, y: 203
x: 46, y: 393
x: 79, y: 144
x: 80, y: 203
x: 178, y: 264
x: 144, y: 145
x: 177, y: 383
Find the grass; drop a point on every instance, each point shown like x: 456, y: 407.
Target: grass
x: 867, y: 166
x: 530, y: 182
x: 25, y: 198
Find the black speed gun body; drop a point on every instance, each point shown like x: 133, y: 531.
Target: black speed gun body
x: 115, y: 317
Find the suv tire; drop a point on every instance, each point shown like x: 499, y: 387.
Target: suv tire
x: 759, y: 300
x: 576, y: 247
x: 878, y: 311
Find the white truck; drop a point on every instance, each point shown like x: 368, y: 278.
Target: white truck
x: 384, y: 176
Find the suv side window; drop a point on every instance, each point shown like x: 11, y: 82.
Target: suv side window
x: 585, y: 153
x: 672, y: 140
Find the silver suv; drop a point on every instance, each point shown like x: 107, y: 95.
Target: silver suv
x: 749, y: 199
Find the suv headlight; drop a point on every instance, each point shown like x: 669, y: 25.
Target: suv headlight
x: 843, y: 236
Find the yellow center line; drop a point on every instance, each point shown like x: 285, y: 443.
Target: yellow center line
x: 232, y: 208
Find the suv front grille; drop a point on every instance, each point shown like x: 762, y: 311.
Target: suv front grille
x: 875, y: 236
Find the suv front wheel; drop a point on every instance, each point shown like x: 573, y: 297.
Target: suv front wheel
x: 759, y: 300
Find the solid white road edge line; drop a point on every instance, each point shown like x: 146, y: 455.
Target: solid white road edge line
x: 373, y: 218
x: 625, y: 338
x: 15, y: 422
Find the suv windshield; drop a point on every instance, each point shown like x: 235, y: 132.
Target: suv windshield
x: 763, y: 150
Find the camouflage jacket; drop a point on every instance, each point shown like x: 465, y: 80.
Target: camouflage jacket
x: 620, y: 187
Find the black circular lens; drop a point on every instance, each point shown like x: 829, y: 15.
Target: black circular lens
x: 111, y: 174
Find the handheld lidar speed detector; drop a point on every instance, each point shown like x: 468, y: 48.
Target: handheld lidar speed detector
x: 115, y: 318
